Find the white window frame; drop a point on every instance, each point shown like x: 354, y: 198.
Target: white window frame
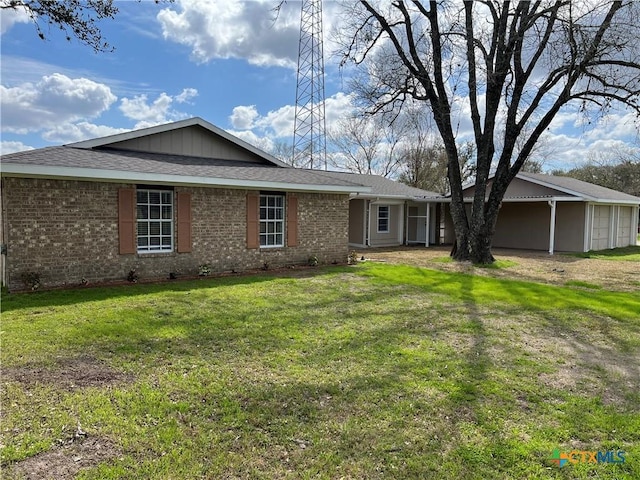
x: 272, y: 220
x: 165, y: 224
x: 381, y: 217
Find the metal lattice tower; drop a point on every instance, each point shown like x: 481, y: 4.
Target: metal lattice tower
x: 309, y: 133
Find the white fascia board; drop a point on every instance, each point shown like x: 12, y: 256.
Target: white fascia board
x: 119, y: 176
x: 398, y: 198
x: 543, y: 199
x: 532, y: 199
x: 616, y: 202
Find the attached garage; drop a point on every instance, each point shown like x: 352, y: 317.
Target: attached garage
x: 546, y: 212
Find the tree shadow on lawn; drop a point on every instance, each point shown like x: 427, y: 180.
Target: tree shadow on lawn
x: 467, y: 438
x: 73, y: 296
x: 530, y: 296
x: 600, y: 357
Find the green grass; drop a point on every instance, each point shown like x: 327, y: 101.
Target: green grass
x: 581, y: 284
x: 498, y: 264
x: 627, y: 254
x: 373, y: 371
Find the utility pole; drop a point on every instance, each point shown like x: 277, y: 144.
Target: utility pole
x: 309, y: 133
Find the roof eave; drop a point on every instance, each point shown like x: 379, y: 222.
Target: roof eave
x: 120, y: 176
x: 615, y: 202
x: 371, y: 195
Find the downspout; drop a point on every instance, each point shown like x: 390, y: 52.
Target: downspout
x: 585, y: 242
x: 401, y: 219
x: 368, y: 239
x: 612, y: 221
x: 593, y: 209
x: 552, y: 226
x: 426, y: 225
x: 635, y: 213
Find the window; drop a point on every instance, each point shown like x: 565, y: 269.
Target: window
x: 383, y: 218
x: 155, y: 220
x: 271, y: 220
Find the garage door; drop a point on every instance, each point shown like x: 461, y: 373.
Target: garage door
x: 600, y: 230
x: 624, y: 226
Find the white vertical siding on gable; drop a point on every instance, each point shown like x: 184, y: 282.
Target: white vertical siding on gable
x: 193, y: 141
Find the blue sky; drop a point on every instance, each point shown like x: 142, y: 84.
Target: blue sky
x: 229, y: 62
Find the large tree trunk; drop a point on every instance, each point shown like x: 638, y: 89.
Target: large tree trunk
x: 474, y: 232
x: 475, y: 248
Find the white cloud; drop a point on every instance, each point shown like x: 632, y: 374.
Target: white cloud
x: 263, y: 143
x: 235, y: 29
x: 278, y: 123
x: 275, y: 128
x: 10, y: 17
x: 138, y: 108
x: 53, y: 100
x: 8, y: 146
x: 69, y: 132
x: 149, y: 113
x: 186, y: 95
x: 243, y: 116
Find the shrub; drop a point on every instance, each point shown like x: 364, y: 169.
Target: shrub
x: 31, y: 280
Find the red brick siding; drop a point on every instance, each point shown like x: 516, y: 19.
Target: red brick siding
x: 68, y: 230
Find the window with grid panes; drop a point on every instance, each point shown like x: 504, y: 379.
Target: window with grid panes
x: 155, y: 220
x: 271, y: 220
x: 383, y: 218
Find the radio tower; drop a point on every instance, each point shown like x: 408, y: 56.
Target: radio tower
x: 309, y: 138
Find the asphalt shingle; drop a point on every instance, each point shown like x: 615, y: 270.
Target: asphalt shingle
x: 157, y: 163
x: 589, y: 190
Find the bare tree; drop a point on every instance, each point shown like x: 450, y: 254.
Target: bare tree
x: 618, y: 169
x: 507, y: 68
x: 282, y: 151
x: 365, y: 144
x: 425, y: 166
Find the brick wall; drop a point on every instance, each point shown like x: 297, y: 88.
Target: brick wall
x: 67, y: 231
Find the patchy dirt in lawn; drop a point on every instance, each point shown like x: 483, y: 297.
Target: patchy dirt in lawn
x: 68, y: 373
x: 65, y: 461
x: 531, y: 266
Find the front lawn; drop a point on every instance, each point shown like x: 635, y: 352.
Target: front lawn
x: 372, y: 371
x: 626, y: 254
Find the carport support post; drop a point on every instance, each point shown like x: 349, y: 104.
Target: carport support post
x: 552, y: 226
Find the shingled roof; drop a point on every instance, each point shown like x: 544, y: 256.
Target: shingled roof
x: 384, y: 187
x: 110, y: 159
x: 117, y: 165
x: 573, y: 186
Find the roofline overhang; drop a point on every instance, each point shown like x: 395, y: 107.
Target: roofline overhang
x: 120, y: 176
x: 581, y: 197
x: 614, y: 202
x: 372, y: 196
x: 559, y: 199
x: 540, y: 199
